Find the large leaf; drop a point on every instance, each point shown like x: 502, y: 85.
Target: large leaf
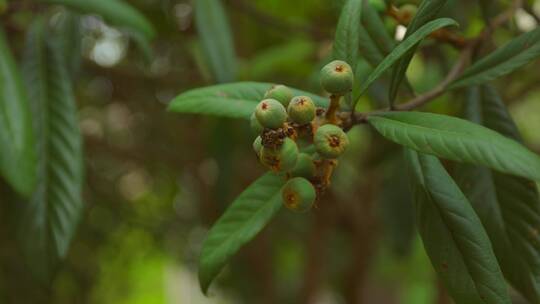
x: 453, y: 236
x: 233, y: 100
x: 69, y: 33
x: 116, y: 12
x: 504, y: 60
x: 347, y: 33
x: 508, y: 206
x: 17, y: 155
x: 244, y: 219
x: 49, y: 219
x: 459, y: 140
x: 216, y: 39
x: 427, y: 10
x: 404, y: 47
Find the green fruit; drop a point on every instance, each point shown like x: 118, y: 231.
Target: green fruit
x: 301, y: 110
x: 280, y: 93
x: 256, y: 126
x: 257, y: 145
x: 330, y: 141
x: 337, y: 77
x: 298, y: 194
x: 281, y: 159
x: 271, y: 114
x: 304, y: 166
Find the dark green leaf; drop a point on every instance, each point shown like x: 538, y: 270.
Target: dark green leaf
x: 347, y: 33
x: 216, y: 39
x: 508, y: 206
x: 396, y: 206
x: 246, y: 217
x: 116, y: 12
x: 427, y: 10
x: 49, y: 219
x: 404, y: 47
x: 453, y: 236
x: 233, y: 100
x: 17, y: 155
x: 375, y: 42
x: 459, y: 140
x: 68, y: 31
x: 515, y: 54
x: 376, y: 29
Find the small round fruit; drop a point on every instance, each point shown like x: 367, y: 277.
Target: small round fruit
x: 301, y: 110
x: 298, y: 194
x: 280, y: 93
x: 281, y: 159
x: 337, y: 77
x: 330, y: 141
x: 255, y: 125
x: 271, y: 114
x: 304, y: 166
x: 257, y: 145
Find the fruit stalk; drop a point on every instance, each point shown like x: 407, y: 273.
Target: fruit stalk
x: 331, y: 116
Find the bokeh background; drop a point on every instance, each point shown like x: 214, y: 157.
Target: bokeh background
x: 156, y: 180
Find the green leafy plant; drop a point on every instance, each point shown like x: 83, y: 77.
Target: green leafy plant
x: 41, y: 151
x: 470, y: 248
x: 472, y: 181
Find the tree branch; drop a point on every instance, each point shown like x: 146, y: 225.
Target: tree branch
x: 471, y: 48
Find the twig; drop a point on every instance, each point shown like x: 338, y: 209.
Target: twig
x: 438, y: 90
x: 464, y: 58
x: 442, y: 35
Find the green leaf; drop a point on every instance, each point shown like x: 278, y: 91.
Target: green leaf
x: 48, y: 221
x: 376, y: 29
x: 374, y: 41
x: 459, y: 140
x: 245, y: 218
x: 404, y: 47
x: 69, y: 33
x: 508, y: 206
x: 17, y: 155
x: 453, y: 236
x: 395, y: 207
x: 347, y: 33
x: 232, y: 100
x: 216, y: 39
x: 427, y: 10
x: 116, y: 12
x: 504, y: 60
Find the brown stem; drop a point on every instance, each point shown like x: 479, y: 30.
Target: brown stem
x: 442, y: 35
x: 332, y: 109
x: 464, y: 58
x: 439, y: 89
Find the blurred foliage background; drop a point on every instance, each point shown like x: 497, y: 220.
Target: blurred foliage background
x: 156, y: 181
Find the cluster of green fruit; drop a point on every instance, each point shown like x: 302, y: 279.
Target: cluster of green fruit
x: 300, y: 140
